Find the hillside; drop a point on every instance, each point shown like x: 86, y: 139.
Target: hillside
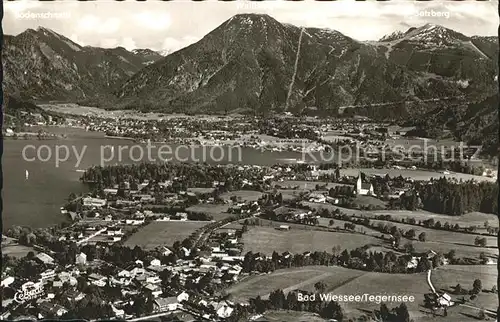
x: 430, y: 76
x: 44, y: 65
x: 248, y: 64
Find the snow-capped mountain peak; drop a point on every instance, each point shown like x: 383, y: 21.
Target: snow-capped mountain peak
x: 428, y: 33
x: 164, y: 52
x: 394, y: 36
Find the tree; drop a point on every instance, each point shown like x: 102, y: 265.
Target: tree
x: 410, y: 234
x: 458, y: 289
x: 483, y: 257
x: 397, y: 239
x: 277, y: 299
x: 30, y: 255
x: 477, y: 286
x: 451, y: 255
x: 437, y: 260
x: 409, y: 248
x: 480, y: 241
x: 332, y: 311
x: 260, y: 305
x: 422, y: 237
x: 331, y: 222
x: 320, y: 287
x: 424, y: 264
x: 402, y: 313
x: 384, y: 312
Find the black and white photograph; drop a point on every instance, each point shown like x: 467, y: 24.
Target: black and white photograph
x: 250, y: 161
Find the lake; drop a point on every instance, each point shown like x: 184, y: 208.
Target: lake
x: 36, y: 201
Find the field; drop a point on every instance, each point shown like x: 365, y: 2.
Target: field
x: 288, y: 194
x: 456, y: 238
x: 218, y: 212
x: 363, y: 201
x: 341, y: 281
x: 415, y: 284
x: 306, y: 185
x: 201, y: 190
x: 414, y: 174
x: 163, y: 233
x: 290, y: 279
x: 245, y: 195
x: 292, y: 316
x: 437, y: 240
x: 267, y: 239
x: 340, y: 223
x: 461, y: 250
x: 16, y: 250
x: 471, y: 219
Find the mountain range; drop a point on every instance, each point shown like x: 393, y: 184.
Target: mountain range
x: 254, y: 64
x: 44, y: 65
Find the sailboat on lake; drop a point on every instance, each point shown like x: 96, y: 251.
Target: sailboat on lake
x: 27, y: 174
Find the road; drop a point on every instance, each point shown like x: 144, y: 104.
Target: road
x: 401, y: 102
x: 206, y: 233
x: 97, y: 233
x: 147, y: 317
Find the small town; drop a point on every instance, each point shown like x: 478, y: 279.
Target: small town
x: 366, y: 143
x: 228, y: 161
x: 161, y: 240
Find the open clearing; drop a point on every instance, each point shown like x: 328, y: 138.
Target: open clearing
x: 244, y: 195
x: 162, y: 233
x: 415, y: 284
x: 201, y: 190
x: 414, y: 174
x: 340, y: 223
x: 302, y: 278
x: 471, y: 219
x: 292, y: 316
x: 342, y: 281
x: 16, y: 250
x: 267, y: 239
x: 461, y: 250
x: 306, y: 185
x: 444, y: 236
x: 288, y: 194
x: 218, y: 212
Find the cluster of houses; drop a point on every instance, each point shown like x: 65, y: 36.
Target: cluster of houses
x: 44, y: 289
x: 294, y: 215
x: 222, y: 262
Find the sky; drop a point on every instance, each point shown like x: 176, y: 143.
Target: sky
x: 172, y: 25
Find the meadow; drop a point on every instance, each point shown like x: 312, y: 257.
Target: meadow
x: 218, y: 212
x: 444, y: 236
x: 162, y: 233
x: 243, y: 195
x: 477, y: 219
x: 342, y: 281
x: 16, y: 250
x: 290, y: 279
x: 414, y: 174
x: 267, y: 240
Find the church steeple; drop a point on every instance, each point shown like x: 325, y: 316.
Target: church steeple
x: 359, y: 184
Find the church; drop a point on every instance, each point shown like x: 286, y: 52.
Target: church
x: 363, y: 189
